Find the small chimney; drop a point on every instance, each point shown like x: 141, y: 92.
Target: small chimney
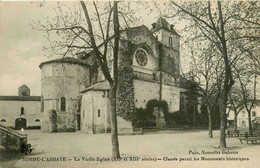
x: 154, y: 25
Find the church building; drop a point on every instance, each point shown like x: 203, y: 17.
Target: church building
x: 149, y: 68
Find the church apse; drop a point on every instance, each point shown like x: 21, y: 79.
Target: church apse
x: 62, y: 79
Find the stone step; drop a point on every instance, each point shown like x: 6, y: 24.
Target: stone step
x: 10, y: 139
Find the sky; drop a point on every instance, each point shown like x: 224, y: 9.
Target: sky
x: 21, y: 46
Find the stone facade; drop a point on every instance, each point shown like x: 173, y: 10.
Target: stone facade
x: 95, y: 111
x: 242, y: 118
x: 22, y: 111
x: 149, y: 68
x: 95, y: 116
x: 159, y: 78
x: 61, y: 82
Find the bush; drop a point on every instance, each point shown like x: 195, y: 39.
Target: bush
x: 53, y: 120
x: 146, y: 117
x: 143, y: 118
x: 181, y: 118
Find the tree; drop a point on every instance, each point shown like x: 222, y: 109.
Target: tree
x: 218, y: 23
x: 206, y: 69
x: 247, y: 78
x: 104, y: 66
x: 97, y: 33
x: 192, y: 95
x: 235, y: 103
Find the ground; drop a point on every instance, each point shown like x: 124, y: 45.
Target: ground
x: 161, y: 144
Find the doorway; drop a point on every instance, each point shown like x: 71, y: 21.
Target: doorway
x: 20, y: 123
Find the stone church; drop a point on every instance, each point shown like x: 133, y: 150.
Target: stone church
x: 149, y: 68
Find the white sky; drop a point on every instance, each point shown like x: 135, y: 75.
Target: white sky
x: 21, y: 47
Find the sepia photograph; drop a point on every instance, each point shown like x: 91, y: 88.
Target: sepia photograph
x: 143, y: 83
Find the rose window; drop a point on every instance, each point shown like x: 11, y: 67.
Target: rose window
x: 141, y: 57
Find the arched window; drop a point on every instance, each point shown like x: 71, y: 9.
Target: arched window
x: 62, y: 104
x: 3, y: 120
x: 37, y: 120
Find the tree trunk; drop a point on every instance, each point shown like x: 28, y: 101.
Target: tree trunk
x: 104, y: 67
x: 194, y: 107
x: 228, y: 80
x: 114, y: 133
x: 113, y: 85
x: 210, y: 122
x: 250, y: 123
x: 222, y: 123
x: 235, y: 122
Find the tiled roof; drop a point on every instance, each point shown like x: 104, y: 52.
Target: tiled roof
x: 24, y: 86
x: 161, y: 23
x: 65, y: 60
x: 140, y: 28
x: 20, y: 98
x: 104, y: 85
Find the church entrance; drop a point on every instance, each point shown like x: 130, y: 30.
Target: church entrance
x: 20, y: 123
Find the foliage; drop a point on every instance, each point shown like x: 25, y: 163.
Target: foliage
x: 125, y: 93
x: 53, y: 121
x: 186, y: 117
x: 143, y: 118
x: 146, y: 117
x: 181, y: 118
x: 157, y: 103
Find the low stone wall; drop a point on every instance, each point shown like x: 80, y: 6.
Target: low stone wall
x: 124, y: 126
x: 11, y: 140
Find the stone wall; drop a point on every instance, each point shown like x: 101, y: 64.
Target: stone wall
x: 165, y: 39
x: 170, y: 60
x: 62, y: 80
x: 171, y: 94
x: 11, y: 140
x: 124, y: 126
x: 145, y: 91
x: 11, y: 110
x: 95, y: 112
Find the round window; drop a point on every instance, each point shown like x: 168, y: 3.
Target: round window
x: 141, y: 57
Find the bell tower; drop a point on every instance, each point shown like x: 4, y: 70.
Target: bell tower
x: 165, y: 33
